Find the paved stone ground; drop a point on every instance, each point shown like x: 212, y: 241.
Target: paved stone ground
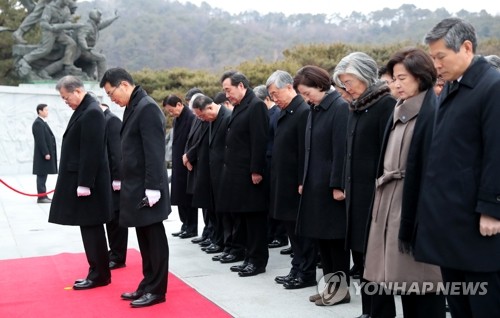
x: 25, y: 232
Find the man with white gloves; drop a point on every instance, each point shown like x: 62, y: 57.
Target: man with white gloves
x: 83, y: 193
x: 144, y: 197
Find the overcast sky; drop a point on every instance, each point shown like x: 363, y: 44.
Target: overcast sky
x: 345, y: 7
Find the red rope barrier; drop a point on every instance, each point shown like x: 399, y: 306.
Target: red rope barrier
x: 24, y: 193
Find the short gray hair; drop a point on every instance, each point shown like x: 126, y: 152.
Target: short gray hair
x: 358, y: 64
x: 494, y: 60
x: 280, y: 79
x: 454, y: 32
x: 261, y: 92
x: 70, y: 83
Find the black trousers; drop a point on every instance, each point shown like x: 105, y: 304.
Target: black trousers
x: 153, y: 245
x: 424, y: 306
x: 117, y: 239
x: 366, y: 300
x: 96, y: 250
x: 234, y: 233
x: 41, y: 179
x: 217, y: 233
x: 189, y: 218
x: 208, y: 228
x: 484, y: 303
x: 335, y: 257
x: 305, y: 253
x: 276, y: 230
x: 255, y: 225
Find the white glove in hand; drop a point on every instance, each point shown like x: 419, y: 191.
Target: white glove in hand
x: 153, y: 196
x: 117, y: 185
x: 82, y: 191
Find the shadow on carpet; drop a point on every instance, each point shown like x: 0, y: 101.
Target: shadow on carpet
x: 41, y: 287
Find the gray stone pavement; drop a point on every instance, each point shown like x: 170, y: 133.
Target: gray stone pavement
x: 25, y: 232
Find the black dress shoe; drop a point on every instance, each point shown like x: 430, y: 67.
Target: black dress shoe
x: 88, y: 284
x: 218, y: 257
x: 186, y: 235
x: 213, y: 248
x: 147, y: 299
x: 364, y: 316
x: 43, y: 200
x: 177, y: 233
x: 251, y: 270
x: 284, y: 279
x: 355, y: 272
x: 132, y: 296
x: 230, y: 258
x: 198, y: 240
x: 277, y: 243
x: 298, y: 283
x: 205, y: 243
x: 115, y: 265
x: 238, y: 268
x: 286, y: 251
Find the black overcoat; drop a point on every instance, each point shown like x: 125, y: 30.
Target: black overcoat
x: 45, y: 144
x: 462, y: 176
x: 216, y: 144
x: 114, y: 150
x: 287, y: 164
x: 320, y: 216
x: 83, y: 163
x: 244, y: 154
x: 365, y: 132
x: 198, y: 155
x: 191, y: 150
x: 178, y: 185
x: 143, y: 161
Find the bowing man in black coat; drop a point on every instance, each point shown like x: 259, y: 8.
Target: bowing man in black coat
x: 117, y: 234
x: 183, y: 120
x: 287, y: 167
x: 83, y: 191
x: 45, y: 154
x: 242, y: 191
x: 144, y: 196
x: 458, y: 218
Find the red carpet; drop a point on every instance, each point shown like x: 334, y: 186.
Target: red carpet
x: 41, y: 287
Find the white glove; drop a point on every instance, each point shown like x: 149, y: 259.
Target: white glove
x: 153, y: 196
x: 82, y: 191
x: 117, y: 185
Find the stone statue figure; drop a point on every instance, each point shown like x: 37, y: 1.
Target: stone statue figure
x: 33, y: 18
x: 66, y: 47
x: 55, y: 24
x: 86, y: 38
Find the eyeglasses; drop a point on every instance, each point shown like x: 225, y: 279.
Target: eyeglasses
x: 347, y: 84
x: 110, y: 93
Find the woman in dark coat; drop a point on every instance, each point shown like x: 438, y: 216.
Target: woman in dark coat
x: 369, y: 112
x: 322, y: 208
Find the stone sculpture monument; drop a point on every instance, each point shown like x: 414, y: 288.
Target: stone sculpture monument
x: 66, y: 46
